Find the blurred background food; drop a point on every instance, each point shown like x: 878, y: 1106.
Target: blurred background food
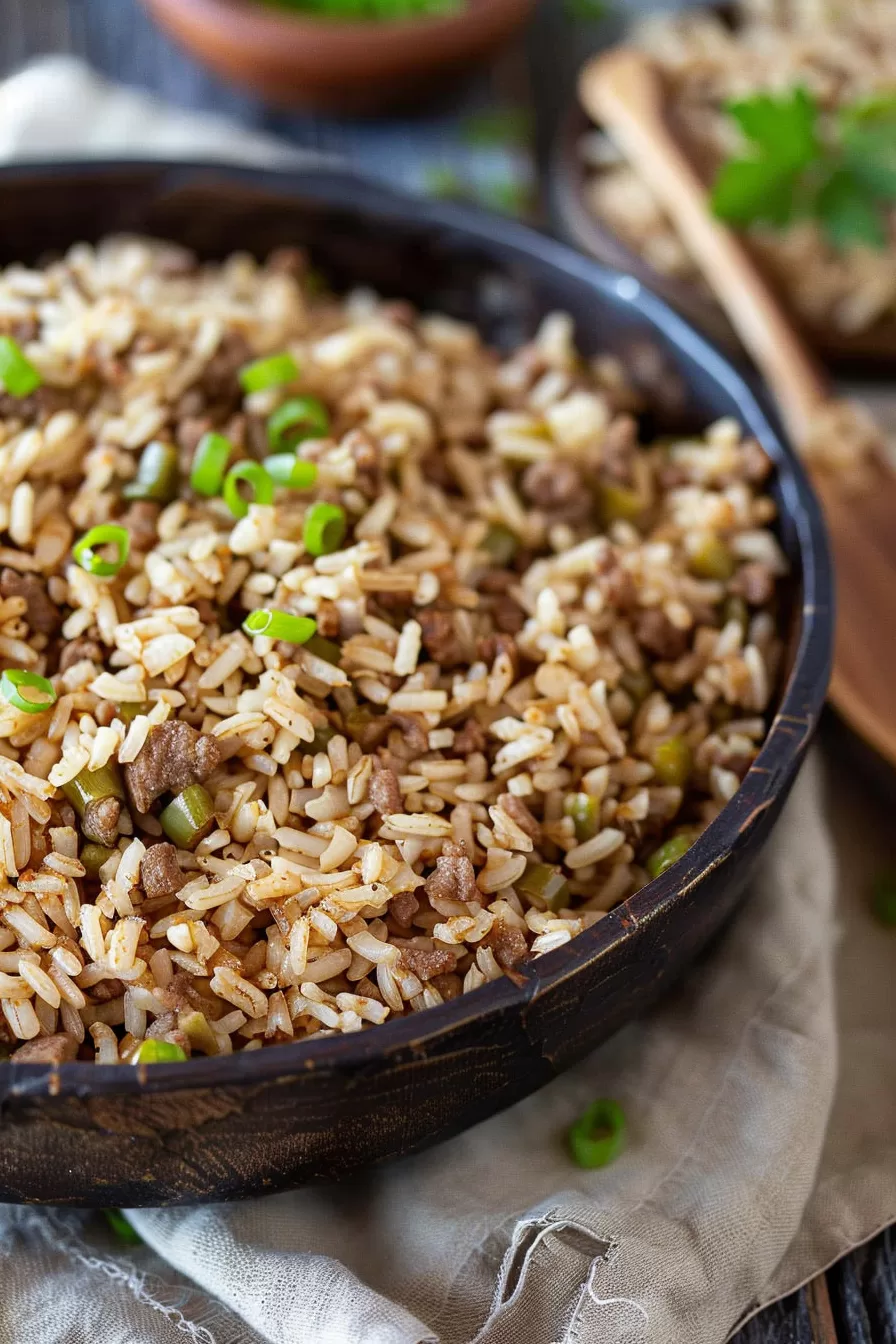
x: 342, y: 55
x: 809, y: 169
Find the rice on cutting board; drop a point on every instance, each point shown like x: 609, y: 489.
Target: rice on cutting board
x: 515, y: 660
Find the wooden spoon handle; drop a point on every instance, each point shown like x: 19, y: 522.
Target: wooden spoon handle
x: 623, y: 91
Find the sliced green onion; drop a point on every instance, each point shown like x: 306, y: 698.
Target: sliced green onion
x: 210, y: 463
x: 545, y: 883
x: 94, y: 856
x: 501, y: 544
x: 18, y: 375
x: 322, y: 737
x: 324, y: 648
x: 711, y: 558
x: 189, y: 817
x: 279, y: 625
x: 298, y: 419
x: 585, y: 813
x: 598, y: 1136
x: 152, y: 1051
x: 86, y: 551
x: 158, y: 474
x: 295, y: 472
x: 883, y: 898
x: 668, y: 853
x: 256, y: 476
x: 638, y: 685
x: 324, y: 530
x: 92, y: 786
x: 14, y: 678
x: 673, y: 760
x: 620, y: 504
x: 120, y: 1225
x: 273, y: 371
x: 129, y: 709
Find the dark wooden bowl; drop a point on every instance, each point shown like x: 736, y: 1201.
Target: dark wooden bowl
x: 871, y: 352
x: 250, y: 1123
x: 304, y: 60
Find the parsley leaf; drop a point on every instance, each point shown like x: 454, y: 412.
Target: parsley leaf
x: 843, y: 175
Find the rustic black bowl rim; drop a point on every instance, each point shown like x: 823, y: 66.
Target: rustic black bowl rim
x: 800, y: 704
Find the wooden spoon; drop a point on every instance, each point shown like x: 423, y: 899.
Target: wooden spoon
x: 623, y: 91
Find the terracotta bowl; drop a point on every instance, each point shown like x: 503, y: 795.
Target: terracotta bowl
x: 867, y: 352
x: 301, y: 61
x: 246, y: 1124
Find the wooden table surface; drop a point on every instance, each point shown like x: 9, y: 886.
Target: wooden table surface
x: 855, y: 1302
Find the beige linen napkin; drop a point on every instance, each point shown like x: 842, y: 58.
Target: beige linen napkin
x: 761, y: 1095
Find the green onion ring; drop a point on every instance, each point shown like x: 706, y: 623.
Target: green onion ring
x: 14, y: 677
x: 297, y: 419
x: 152, y: 1051
x: 105, y: 534
x: 18, y: 375
x: 279, y: 625
x: 261, y: 483
x: 598, y: 1136
x: 273, y: 371
x: 288, y: 470
x: 210, y: 463
x: 324, y: 529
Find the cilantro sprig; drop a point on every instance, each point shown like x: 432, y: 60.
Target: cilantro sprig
x: 841, y: 172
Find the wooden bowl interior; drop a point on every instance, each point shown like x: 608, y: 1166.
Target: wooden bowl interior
x: 250, y: 1123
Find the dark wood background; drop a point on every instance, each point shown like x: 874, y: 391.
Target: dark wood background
x: 855, y: 1302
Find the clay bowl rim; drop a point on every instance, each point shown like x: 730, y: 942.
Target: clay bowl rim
x: 798, y: 709
x: 257, y: 27
x: 867, y: 354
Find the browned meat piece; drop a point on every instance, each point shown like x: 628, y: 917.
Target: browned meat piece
x: 399, y: 311
x: 553, y: 485
x: 165, y: 1028
x: 658, y: 635
x: 490, y: 646
x: 384, y: 793
x: 755, y: 582
x: 219, y: 382
x: 497, y: 580
x: 140, y: 520
x: 517, y: 810
x: 449, y: 986
x: 100, y: 821
x: 615, y: 582
x: 470, y: 738
x: 329, y: 622
x: 756, y: 461
x: 174, y: 262
x: 508, y: 615
x: 436, y: 470
x: 440, y: 639
x: 190, y: 430
x: 77, y: 650
x: 368, y: 468
x: 413, y: 731
x: 105, y: 990
x: 288, y: 261
x: 180, y: 994
x: 453, y: 878
x: 160, y: 872
x: 403, y: 908
x: 173, y: 756
x: 42, y: 615
x: 37, y: 408
x: 425, y: 964
x: 620, y: 444
x: 508, y: 944
x: 58, y: 1049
